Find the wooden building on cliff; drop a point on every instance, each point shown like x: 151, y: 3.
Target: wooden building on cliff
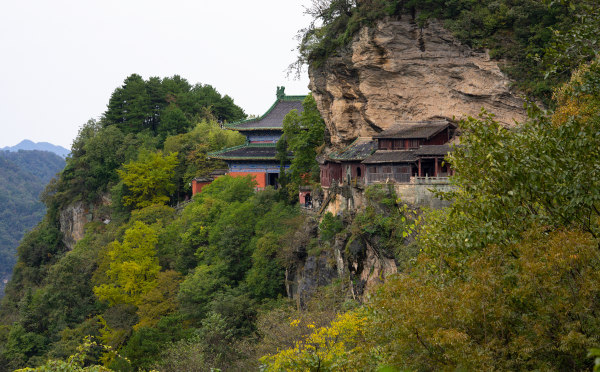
x: 406, y: 150
x: 257, y: 157
x: 345, y: 166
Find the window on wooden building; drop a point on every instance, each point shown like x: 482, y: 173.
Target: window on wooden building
x: 403, y: 169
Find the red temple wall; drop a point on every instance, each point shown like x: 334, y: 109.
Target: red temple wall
x: 198, y: 186
x: 259, y: 177
x: 302, y: 197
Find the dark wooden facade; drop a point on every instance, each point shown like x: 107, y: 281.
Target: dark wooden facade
x: 405, y: 150
x: 345, y: 166
x: 411, y: 144
x: 330, y: 173
x: 390, y: 165
x: 411, y: 149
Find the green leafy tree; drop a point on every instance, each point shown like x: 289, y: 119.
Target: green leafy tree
x: 536, y: 174
x: 199, y: 288
x: 266, y: 277
x: 76, y: 362
x: 22, y: 345
x: 579, y: 44
x: 40, y: 248
x: 304, y: 134
x: 192, y: 148
x: 149, y: 180
x: 209, y: 348
x: 160, y: 300
x: 129, y: 106
x: 147, y: 343
x: 517, y: 307
x: 162, y: 106
x: 229, y: 189
x: 91, y: 168
x: 229, y: 239
x: 205, y: 102
x: 173, y: 121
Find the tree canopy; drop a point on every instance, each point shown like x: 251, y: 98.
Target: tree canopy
x: 133, y: 268
x: 149, y: 180
x: 166, y: 106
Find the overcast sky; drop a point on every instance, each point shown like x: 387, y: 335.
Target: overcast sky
x: 60, y: 60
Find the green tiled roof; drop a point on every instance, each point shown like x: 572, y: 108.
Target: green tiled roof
x: 248, y: 151
x: 273, y: 118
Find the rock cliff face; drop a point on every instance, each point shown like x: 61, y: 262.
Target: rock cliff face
x: 74, y: 217
x: 72, y: 220
x: 360, y: 261
x: 397, y: 71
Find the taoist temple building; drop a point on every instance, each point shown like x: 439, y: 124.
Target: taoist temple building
x: 257, y: 157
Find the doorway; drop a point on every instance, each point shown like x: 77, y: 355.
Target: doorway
x: 272, y: 179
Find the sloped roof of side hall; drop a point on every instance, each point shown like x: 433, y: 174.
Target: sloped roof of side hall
x: 361, y: 148
x: 273, y: 118
x: 391, y: 156
x: 415, y: 129
x: 433, y: 150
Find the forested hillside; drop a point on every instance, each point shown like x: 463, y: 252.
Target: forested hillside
x: 151, y: 276
x: 23, y: 176
x: 505, y: 278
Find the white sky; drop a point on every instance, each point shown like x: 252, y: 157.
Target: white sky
x: 60, y: 60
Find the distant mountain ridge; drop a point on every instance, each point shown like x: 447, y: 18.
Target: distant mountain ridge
x: 40, y: 146
x: 23, y: 176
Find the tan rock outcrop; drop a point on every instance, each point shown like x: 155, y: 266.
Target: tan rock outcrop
x: 397, y: 71
x: 72, y: 221
x: 75, y: 216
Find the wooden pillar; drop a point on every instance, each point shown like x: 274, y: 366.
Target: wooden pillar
x: 435, y: 169
x: 420, y: 168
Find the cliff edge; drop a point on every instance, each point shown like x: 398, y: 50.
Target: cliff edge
x: 399, y: 71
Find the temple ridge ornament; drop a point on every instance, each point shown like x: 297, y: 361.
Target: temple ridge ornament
x: 280, y: 92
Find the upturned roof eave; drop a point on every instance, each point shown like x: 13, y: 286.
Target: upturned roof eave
x: 235, y: 124
x: 243, y: 158
x: 249, y: 129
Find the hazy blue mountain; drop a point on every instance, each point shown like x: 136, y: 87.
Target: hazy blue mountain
x: 40, y: 146
x: 23, y: 176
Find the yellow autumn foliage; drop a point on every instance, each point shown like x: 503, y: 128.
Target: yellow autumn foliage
x: 579, y: 98
x: 332, y: 348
